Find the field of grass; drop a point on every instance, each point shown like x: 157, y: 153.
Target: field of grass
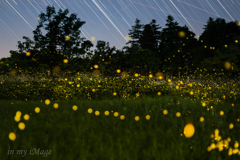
x: 82, y: 117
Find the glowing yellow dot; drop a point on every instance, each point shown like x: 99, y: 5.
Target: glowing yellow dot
x: 116, y: 114
x: 106, y: 113
x: 159, y: 93
x: 93, y: 38
x: 65, y: 61
x: 221, y: 113
x: 97, y: 113
x: 231, y: 126
x: 55, y: 105
x: 67, y: 38
x: 165, y: 112
x: 230, y: 151
x: 26, y: 117
x: 169, y: 80
x: 191, y: 92
x: 236, y: 41
x: 37, y: 109
x: 12, y: 136
x: 90, y: 110
x: 18, y: 113
x: 95, y: 66
x: 127, y: 37
x: 147, y: 117
x: 189, y: 130
x: 225, y: 45
x: 232, y: 104
x: 28, y: 54
x: 201, y: 119
x: 78, y: 85
x: 203, y: 104
x: 150, y: 75
x: 118, y: 70
x: 21, y: 125
x: 93, y: 90
x: 177, y: 87
x: 181, y: 34
x: 122, y: 117
x: 178, y: 114
x: 136, y: 75
x: 74, y: 107
x: 47, y: 101
x: 17, y: 118
x: 137, y: 118
x: 236, y: 145
x: 114, y: 93
x: 227, y: 65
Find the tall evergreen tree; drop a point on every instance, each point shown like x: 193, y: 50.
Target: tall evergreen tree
x: 135, y: 33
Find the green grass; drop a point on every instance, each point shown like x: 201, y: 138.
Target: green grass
x: 72, y: 135
x: 80, y: 135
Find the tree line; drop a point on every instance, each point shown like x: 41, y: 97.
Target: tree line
x: 151, y: 48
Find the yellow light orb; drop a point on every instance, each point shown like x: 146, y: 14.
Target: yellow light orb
x: 127, y: 37
x: 17, y: 118
x: 12, y: 136
x: 114, y: 93
x: 122, y: 117
x: 115, y: 114
x: 118, y: 70
x: 201, y: 119
x: 106, y: 113
x: 169, y: 80
x: 97, y: 113
x: 18, y: 113
x: 178, y: 114
x: 90, y: 110
x: 93, y: 90
x: 136, y: 75
x: 221, y: 113
x: 124, y: 74
x: 74, y: 107
x: 21, y: 125
x: 150, y: 75
x: 191, y: 92
x: 47, y: 101
x: 93, y: 38
x: 236, y: 145
x: 65, y: 61
x: 55, y: 105
x: 28, y: 54
x: 189, y: 130
x: 231, y: 126
x: 227, y: 65
x: 95, y: 66
x: 37, y: 109
x: 159, y: 75
x: 68, y: 38
x: 203, y: 104
x: 181, y: 34
x: 165, y: 112
x: 147, y: 117
x: 26, y: 117
x: 159, y: 93
x: 137, y: 118
x: 238, y: 23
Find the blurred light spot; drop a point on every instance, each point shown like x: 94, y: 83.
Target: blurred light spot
x: 67, y: 38
x: 90, y: 110
x: 12, y: 136
x: 97, y: 113
x: 127, y: 37
x: 47, y: 101
x: 37, y: 109
x: 65, y: 61
x: 74, y: 107
x: 227, y: 65
x: 165, y: 112
x: 26, y: 117
x: 93, y: 38
x: 106, y: 113
x: 201, y: 119
x: 181, y: 34
x: 189, y: 130
x: 137, y: 118
x: 147, y: 117
x: 21, y: 125
x: 231, y: 126
x: 28, y: 54
x: 55, y: 105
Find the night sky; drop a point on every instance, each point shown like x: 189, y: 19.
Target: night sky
x: 110, y: 20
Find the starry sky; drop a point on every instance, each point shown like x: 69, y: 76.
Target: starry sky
x: 110, y: 20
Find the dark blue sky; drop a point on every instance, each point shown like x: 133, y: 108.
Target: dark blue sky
x: 110, y: 20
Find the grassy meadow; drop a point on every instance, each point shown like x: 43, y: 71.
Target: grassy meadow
x: 89, y: 117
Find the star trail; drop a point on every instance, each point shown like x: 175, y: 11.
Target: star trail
x: 110, y: 20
